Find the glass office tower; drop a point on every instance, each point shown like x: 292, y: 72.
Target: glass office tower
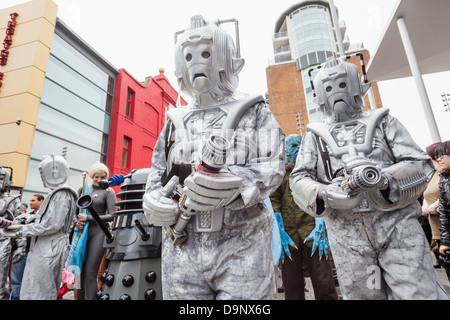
x: 311, y: 35
x: 304, y: 34
x: 312, y: 43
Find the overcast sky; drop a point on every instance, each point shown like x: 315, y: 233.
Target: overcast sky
x: 138, y: 35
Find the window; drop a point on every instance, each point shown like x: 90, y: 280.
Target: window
x: 151, y: 117
x: 147, y: 156
x: 72, y: 81
x: 304, y: 61
x: 76, y: 60
x: 321, y: 55
x: 129, y: 111
x: 78, y: 156
x: 126, y: 152
x: 59, y: 98
x: 61, y: 126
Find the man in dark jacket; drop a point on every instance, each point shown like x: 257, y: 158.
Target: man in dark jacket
x: 299, y: 225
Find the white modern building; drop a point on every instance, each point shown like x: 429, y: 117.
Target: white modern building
x: 415, y: 42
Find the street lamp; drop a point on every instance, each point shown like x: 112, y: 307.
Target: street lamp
x: 446, y: 101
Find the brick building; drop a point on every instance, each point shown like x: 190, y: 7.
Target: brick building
x: 137, y: 119
x: 304, y: 38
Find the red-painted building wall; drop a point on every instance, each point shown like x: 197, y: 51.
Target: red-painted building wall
x: 138, y: 116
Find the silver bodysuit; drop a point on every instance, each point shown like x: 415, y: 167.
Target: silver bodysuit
x: 234, y: 262
x: 9, y: 209
x: 49, y: 245
x: 379, y: 254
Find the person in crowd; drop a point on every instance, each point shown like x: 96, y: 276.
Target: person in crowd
x: 104, y: 204
x: 50, y: 230
x: 299, y: 225
x: 18, y: 268
x: 442, y: 154
x: 10, y: 208
x: 431, y: 202
x: 227, y: 253
x: 363, y: 173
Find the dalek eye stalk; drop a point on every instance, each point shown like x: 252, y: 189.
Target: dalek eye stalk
x: 133, y: 246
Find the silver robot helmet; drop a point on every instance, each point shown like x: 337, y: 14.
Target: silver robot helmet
x: 206, y: 59
x: 54, y: 171
x: 5, y: 179
x: 339, y: 91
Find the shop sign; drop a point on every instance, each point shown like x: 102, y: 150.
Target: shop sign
x: 4, y: 54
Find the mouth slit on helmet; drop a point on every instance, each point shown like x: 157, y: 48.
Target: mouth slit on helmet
x: 198, y: 75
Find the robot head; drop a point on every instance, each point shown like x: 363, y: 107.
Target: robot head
x: 54, y: 171
x: 292, y: 144
x: 5, y: 179
x: 338, y: 90
x: 206, y: 60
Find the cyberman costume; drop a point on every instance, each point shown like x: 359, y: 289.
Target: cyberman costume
x: 9, y: 210
x: 363, y: 173
x: 227, y: 253
x: 50, y: 233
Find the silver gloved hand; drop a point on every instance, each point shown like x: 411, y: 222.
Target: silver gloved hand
x: 13, y: 230
x: 4, y: 223
x: 160, y: 210
x: 15, y: 227
x: 11, y: 233
x: 18, y: 254
x: 335, y: 197
x: 207, y: 191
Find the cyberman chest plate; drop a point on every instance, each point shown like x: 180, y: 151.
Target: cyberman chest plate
x: 194, y: 126
x: 347, y: 144
x: 357, y: 133
x: 191, y: 124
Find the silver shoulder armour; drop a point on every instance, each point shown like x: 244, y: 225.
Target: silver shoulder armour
x: 45, y: 203
x: 357, y: 133
x: 220, y: 120
x: 227, y: 115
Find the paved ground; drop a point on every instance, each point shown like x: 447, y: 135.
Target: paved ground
x: 309, y: 294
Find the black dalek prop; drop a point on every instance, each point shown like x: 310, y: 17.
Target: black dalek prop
x: 134, y: 246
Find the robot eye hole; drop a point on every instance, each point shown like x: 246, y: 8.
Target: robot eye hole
x: 188, y: 57
x: 342, y: 85
x: 328, y: 89
x: 206, y: 54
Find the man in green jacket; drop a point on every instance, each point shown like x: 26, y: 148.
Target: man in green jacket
x: 299, y: 226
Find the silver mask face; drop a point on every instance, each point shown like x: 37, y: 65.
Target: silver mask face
x: 5, y: 179
x: 199, y: 71
x: 54, y: 171
x: 339, y: 91
x: 206, y: 61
